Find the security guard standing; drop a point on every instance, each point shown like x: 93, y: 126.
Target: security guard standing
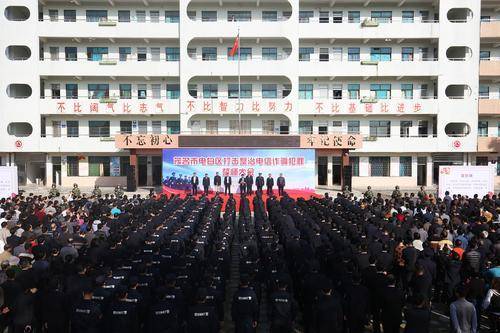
x: 75, y: 192
x: 259, y: 182
x: 396, y: 194
x: 202, y: 317
x: 206, y: 184
x: 163, y: 315
x: 269, y: 184
x: 346, y: 193
x: 283, y: 310
x: 122, y: 315
x: 96, y: 192
x: 369, y: 194
x: 422, y: 193
x: 245, y: 308
x: 54, y: 192
x: 86, y: 315
x: 118, y: 191
x: 243, y: 184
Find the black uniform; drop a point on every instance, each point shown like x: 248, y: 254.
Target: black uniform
x: 194, y: 185
x: 86, y: 317
x: 245, y: 310
x: 202, y: 318
x: 122, y: 317
x: 328, y: 314
x: 259, y: 182
x: 227, y: 184
x: 281, y: 185
x: 269, y: 185
x: 282, y: 311
x: 249, y: 182
x: 163, y: 318
x: 206, y: 184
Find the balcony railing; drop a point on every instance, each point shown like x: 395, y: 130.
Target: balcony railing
x: 343, y: 20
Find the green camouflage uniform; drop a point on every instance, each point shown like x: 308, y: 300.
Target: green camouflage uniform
x: 54, y: 192
x: 75, y: 192
x: 369, y: 195
x: 118, y: 192
x: 97, y: 192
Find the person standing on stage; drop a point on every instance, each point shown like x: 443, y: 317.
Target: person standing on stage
x: 206, y: 184
x: 269, y: 184
x: 194, y: 184
x: 249, y: 182
x: 243, y: 184
x: 281, y: 184
x: 217, y: 182
x: 259, y: 182
x: 227, y: 184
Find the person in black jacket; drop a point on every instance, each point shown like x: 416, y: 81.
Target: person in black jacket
x: 217, y: 183
x: 249, y: 182
x: 122, y: 316
x: 392, y: 304
x: 243, y: 184
x: 259, y: 182
x: 202, y: 318
x: 281, y: 184
x: 245, y: 308
x: 227, y: 184
x: 269, y: 184
x: 328, y: 313
x: 418, y: 316
x: 86, y: 315
x: 206, y: 184
x: 194, y: 184
x: 283, y: 309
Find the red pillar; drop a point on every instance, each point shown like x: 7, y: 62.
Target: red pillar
x: 345, y: 162
x: 134, y: 162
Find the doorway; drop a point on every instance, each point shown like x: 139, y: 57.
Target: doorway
x: 422, y: 171
x: 142, y: 170
x: 56, y: 170
x: 337, y: 170
x: 157, y: 163
x: 322, y: 170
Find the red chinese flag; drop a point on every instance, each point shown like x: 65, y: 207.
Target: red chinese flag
x: 236, y: 45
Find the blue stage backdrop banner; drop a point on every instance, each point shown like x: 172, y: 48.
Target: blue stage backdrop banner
x: 296, y: 165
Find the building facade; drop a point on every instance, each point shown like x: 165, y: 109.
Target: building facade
x: 417, y: 79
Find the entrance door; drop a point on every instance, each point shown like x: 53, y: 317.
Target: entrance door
x: 422, y: 171
x: 337, y: 170
x: 322, y: 170
x: 156, y: 170
x: 143, y: 170
x: 56, y: 170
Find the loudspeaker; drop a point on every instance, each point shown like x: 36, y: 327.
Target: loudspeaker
x: 347, y: 176
x: 131, y: 185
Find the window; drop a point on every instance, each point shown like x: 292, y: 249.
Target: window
x: 424, y: 15
x: 71, y: 91
x: 286, y: 14
x: 173, y: 126
x: 173, y: 91
x: 125, y: 127
x: 268, y: 126
x: 246, y: 126
x: 482, y: 160
x: 324, y: 54
x: 424, y: 53
x: 56, y: 128
x: 172, y: 53
x: 72, y: 128
x: 70, y: 53
x: 354, y: 162
x: 407, y: 54
x: 53, y: 15
x: 210, y: 90
x: 484, y: 91
x: 72, y: 166
x: 353, y: 54
x: 337, y: 17
x: 246, y: 90
x: 142, y: 91
x: 353, y: 16
x: 142, y: 126
x: 322, y: 91
x: 485, y: 19
x: 192, y: 14
x: 305, y: 127
x: 305, y: 53
x: 55, y: 89
x: 336, y: 123
x: 380, y: 54
x: 124, y: 16
x: 380, y: 128
x: 96, y: 53
x: 305, y: 15
x: 423, y: 128
x: 69, y: 15
x: 140, y: 16
x: 209, y: 53
x: 98, y: 128
x: 323, y: 128
x: 305, y: 91
x: 193, y: 90
x: 408, y: 16
x: 97, y: 15
x: 324, y: 17
x: 239, y: 16
x: 98, y: 90
x: 99, y: 166
x: 407, y: 90
x: 124, y: 165
x: 155, y: 54
x: 269, y: 91
x: 404, y: 128
x: 156, y: 90
x: 380, y: 166
x: 380, y: 91
x: 208, y: 16
x: 212, y: 126
x: 172, y: 16
x: 125, y: 91
x: 405, y: 166
x: 154, y: 16
x: 382, y: 16
x: 287, y: 89
x: 353, y: 90
x: 54, y: 53
x: 484, y: 55
x: 124, y: 53
x: 482, y: 128
x: 192, y: 52
x: 156, y: 126
x: 269, y: 53
x: 353, y: 127
x: 337, y: 54
x: 245, y: 52
x: 269, y: 16
x: 142, y: 54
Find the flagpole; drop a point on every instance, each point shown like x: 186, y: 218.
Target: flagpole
x: 239, y: 83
